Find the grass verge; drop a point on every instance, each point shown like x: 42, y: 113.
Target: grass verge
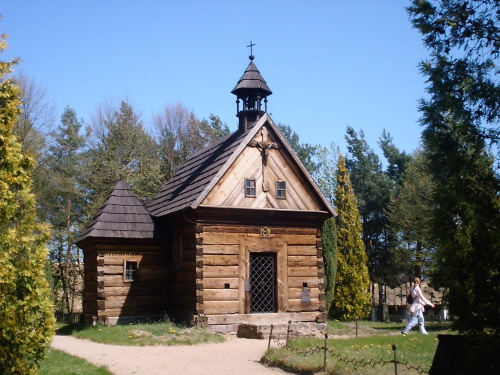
x: 370, y: 353
x: 142, y: 334
x: 60, y: 363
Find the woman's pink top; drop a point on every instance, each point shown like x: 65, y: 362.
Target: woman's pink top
x: 419, y: 301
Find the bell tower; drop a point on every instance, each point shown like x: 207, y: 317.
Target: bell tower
x: 251, y: 90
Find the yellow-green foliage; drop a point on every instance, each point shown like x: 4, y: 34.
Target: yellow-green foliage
x: 352, y: 299
x: 26, y: 311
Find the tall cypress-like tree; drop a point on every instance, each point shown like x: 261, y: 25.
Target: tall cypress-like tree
x: 326, y: 178
x: 26, y: 310
x: 352, y: 298
x: 330, y: 258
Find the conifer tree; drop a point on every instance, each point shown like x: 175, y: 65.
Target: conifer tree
x: 61, y: 197
x: 326, y: 177
x: 461, y: 120
x: 121, y: 149
x: 26, y: 311
x: 352, y: 298
x: 330, y: 260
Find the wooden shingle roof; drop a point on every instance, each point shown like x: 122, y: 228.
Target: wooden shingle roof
x: 251, y: 79
x: 122, y: 216
x: 194, y: 180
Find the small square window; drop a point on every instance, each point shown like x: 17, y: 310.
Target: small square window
x: 130, y: 271
x: 281, y: 189
x: 249, y: 187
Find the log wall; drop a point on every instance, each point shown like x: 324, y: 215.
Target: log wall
x: 182, y: 273
x: 90, y: 282
x: 223, y: 254
x: 107, y: 294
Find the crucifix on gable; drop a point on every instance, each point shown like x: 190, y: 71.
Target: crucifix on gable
x: 264, y: 145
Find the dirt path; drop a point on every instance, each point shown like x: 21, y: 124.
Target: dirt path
x: 235, y: 356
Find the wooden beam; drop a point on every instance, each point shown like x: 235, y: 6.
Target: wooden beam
x: 242, y: 276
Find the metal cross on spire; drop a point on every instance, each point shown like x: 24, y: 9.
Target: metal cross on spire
x: 251, y: 50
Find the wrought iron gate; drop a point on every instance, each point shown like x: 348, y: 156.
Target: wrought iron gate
x: 262, y: 282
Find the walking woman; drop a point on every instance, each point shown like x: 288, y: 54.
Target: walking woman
x: 416, y: 310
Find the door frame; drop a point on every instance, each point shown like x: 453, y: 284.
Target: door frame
x: 264, y: 245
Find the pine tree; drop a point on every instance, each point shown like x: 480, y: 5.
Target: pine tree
x: 352, y: 298
x: 61, y: 197
x: 410, y: 213
x: 26, y: 311
x: 121, y: 149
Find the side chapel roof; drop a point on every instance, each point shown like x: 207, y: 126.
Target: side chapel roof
x: 194, y: 180
x: 122, y: 216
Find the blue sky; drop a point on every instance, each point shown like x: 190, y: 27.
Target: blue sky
x: 329, y: 63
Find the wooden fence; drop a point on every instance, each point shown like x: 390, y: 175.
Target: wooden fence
x: 68, y: 317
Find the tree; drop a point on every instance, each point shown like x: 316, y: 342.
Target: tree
x: 215, y: 128
x: 26, y: 310
x: 306, y: 152
x: 466, y: 224
x: 63, y: 204
x: 326, y: 179
x: 37, y: 117
x: 330, y: 259
x: 397, y: 161
x: 372, y: 188
x: 352, y: 298
x: 120, y: 149
x: 410, y: 213
x: 180, y: 134
x: 463, y: 37
x: 460, y: 118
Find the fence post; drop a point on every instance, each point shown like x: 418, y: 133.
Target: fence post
x: 270, y: 337
x: 288, y: 332
x: 356, y: 327
x: 325, y: 348
x: 394, y: 347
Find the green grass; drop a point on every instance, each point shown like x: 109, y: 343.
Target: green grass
x: 374, y: 342
x: 142, y: 334
x: 60, y: 363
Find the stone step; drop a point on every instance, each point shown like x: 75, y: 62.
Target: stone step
x: 302, y: 329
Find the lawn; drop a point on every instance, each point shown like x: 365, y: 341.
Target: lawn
x: 142, y: 334
x: 60, y: 363
x: 369, y: 353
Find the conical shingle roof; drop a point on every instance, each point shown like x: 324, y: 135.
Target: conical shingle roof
x: 122, y: 216
x: 251, y: 79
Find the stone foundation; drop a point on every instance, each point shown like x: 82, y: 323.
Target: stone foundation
x: 262, y: 331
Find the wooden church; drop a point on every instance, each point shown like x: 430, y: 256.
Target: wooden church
x: 234, y: 237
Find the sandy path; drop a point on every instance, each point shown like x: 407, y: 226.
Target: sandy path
x: 235, y: 356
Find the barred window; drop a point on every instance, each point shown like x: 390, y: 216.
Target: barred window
x: 281, y: 189
x: 130, y: 271
x: 249, y: 187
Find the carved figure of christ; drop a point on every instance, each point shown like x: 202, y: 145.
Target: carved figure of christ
x: 264, y: 145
